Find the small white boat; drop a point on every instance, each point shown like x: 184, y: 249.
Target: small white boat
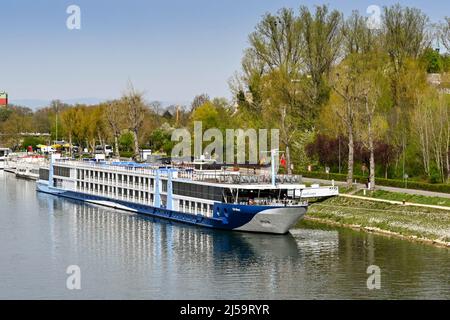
x: 28, y: 167
x: 4, y: 152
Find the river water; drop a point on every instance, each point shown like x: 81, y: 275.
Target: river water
x: 128, y: 256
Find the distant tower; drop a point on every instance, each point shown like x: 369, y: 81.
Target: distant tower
x: 3, y: 99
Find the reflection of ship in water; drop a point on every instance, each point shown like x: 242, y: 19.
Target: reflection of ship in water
x: 170, y: 258
x: 107, y: 229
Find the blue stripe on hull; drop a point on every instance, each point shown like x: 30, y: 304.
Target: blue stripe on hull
x: 222, y: 220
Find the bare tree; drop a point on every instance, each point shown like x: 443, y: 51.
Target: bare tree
x: 199, y: 100
x: 431, y: 122
x: 322, y: 38
x: 369, y: 104
x: 115, y: 115
x: 136, y: 110
x: 405, y: 35
x: 444, y: 32
x: 357, y: 37
x: 346, y: 112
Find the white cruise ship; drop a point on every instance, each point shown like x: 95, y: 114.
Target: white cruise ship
x: 217, y: 198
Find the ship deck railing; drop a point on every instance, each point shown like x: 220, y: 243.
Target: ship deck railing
x: 274, y: 202
x: 213, y: 176
x: 227, y: 178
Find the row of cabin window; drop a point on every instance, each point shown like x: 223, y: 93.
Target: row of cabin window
x: 185, y: 205
x: 118, y: 177
x: 61, y: 171
x: 43, y: 174
x: 120, y: 191
x: 190, y: 206
x: 197, y: 191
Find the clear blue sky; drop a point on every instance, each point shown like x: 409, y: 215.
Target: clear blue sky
x: 171, y: 49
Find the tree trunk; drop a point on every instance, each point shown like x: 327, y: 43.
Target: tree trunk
x: 288, y: 160
x: 136, y: 156
x: 447, y: 160
x: 371, y: 146
x: 350, y: 156
x: 372, y: 161
x: 70, y: 145
x: 116, y: 146
x: 92, y: 143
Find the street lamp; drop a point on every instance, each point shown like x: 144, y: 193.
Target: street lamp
x: 56, y: 121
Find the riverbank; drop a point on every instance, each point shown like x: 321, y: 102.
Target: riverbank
x: 407, y: 197
x: 423, y: 224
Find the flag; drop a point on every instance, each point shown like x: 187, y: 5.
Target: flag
x: 283, y: 161
x: 3, y: 99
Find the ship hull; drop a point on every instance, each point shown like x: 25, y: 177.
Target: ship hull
x: 247, y: 218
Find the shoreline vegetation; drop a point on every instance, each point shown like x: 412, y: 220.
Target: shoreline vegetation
x: 372, y: 103
x: 410, y: 222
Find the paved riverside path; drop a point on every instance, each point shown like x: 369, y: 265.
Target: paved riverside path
x: 414, y: 204
x: 378, y: 187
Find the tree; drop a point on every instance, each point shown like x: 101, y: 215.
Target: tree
x: 384, y: 153
x: 405, y: 36
x: 444, y: 33
x: 160, y: 140
x: 431, y: 121
x: 432, y: 60
x: 136, y: 111
x: 373, y: 86
x: 115, y: 115
x: 70, y: 122
x: 322, y: 39
x: 272, y: 62
x: 199, y: 100
x: 357, y: 37
x: 209, y: 116
x: 325, y: 149
x: 404, y: 39
x: 344, y: 104
x: 281, y: 109
x: 126, y: 141
x: 18, y: 122
x: 247, y: 88
x: 32, y: 142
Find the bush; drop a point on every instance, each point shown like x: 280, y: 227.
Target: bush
x: 32, y: 141
x: 126, y: 141
x: 433, y: 61
x: 126, y: 154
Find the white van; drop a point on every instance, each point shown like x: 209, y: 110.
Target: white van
x: 106, y: 150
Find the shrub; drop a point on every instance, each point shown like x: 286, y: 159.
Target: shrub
x: 126, y: 154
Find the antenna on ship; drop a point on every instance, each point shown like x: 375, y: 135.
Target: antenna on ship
x: 273, y: 173
x: 273, y: 153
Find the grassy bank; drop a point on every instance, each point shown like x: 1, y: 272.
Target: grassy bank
x: 398, y: 196
x: 417, y: 185
x: 426, y: 224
